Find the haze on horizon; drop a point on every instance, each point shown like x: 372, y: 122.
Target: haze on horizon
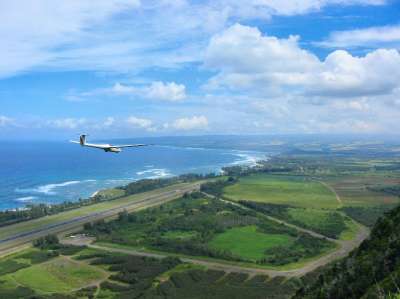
x: 125, y: 68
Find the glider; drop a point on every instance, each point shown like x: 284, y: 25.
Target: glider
x: 105, y: 147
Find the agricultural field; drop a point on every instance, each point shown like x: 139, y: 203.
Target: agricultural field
x: 295, y: 191
x: 320, y: 193
x: 366, y: 191
x: 210, y: 228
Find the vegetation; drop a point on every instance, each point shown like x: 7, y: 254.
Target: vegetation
x: 371, y: 271
x: 367, y: 215
x: 389, y: 189
x: 52, y: 244
x: 208, y: 284
x: 304, y: 247
x: 206, y: 227
x: 326, y: 222
x: 216, y: 188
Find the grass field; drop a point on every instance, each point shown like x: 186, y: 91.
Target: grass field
x: 247, y: 242
x: 58, y: 275
x: 289, y: 190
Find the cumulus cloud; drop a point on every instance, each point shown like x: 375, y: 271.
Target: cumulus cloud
x: 366, y: 37
x: 169, y: 91
x: 246, y: 59
x: 190, y: 123
x: 142, y: 123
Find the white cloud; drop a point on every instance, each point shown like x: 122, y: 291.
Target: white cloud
x: 265, y: 8
x: 157, y: 90
x: 67, y: 123
x: 120, y: 89
x: 248, y: 60
x: 125, y: 35
x: 367, y: 37
x: 355, y: 105
x: 142, y: 123
x: 169, y: 91
x: 109, y: 121
x: 31, y: 31
x: 190, y: 123
x: 5, y: 121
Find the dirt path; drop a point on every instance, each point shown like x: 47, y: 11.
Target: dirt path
x: 338, y: 199
x: 93, y: 283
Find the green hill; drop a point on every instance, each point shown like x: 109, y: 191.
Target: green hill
x: 370, y: 271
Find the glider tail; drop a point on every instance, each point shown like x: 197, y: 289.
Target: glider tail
x: 82, y: 140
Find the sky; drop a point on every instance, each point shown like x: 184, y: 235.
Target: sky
x: 127, y: 68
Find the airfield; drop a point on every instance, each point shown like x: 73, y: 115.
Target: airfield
x: 14, y: 237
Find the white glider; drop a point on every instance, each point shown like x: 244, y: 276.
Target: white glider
x: 105, y: 147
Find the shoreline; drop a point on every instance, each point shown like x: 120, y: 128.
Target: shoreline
x: 242, y: 158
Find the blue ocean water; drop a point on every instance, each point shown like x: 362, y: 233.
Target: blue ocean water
x: 54, y: 172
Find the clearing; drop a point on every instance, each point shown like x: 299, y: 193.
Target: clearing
x: 246, y: 242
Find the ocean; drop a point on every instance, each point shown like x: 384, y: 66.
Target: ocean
x: 54, y: 172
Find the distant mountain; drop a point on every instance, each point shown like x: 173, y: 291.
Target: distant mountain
x: 370, y: 271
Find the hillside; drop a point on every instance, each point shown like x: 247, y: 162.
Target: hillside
x: 370, y: 271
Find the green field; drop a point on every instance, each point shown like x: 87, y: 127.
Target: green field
x: 289, y: 190
x: 246, y: 242
x: 58, y: 275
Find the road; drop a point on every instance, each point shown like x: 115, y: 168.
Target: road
x: 13, y: 242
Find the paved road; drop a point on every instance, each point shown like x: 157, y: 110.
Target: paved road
x: 12, y: 243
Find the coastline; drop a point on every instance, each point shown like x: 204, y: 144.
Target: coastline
x: 74, y: 188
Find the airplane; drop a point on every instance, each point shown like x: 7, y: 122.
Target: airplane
x: 106, y: 147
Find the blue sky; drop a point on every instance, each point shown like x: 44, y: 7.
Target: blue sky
x: 125, y: 68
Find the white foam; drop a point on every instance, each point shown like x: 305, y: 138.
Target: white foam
x: 49, y: 189
x: 248, y: 158
x: 25, y: 199
x: 154, y: 173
